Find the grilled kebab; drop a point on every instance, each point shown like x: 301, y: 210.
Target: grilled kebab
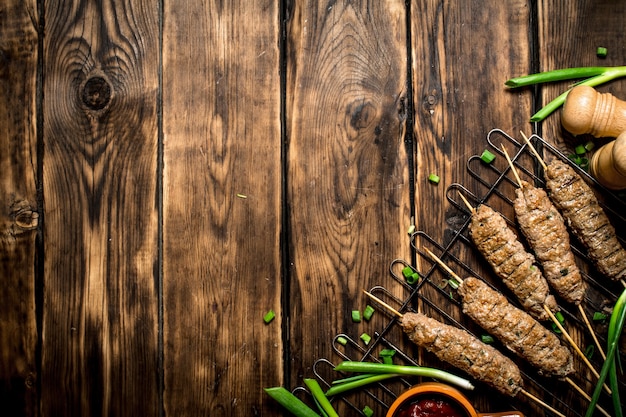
x: 517, y: 268
x: 515, y: 328
x: 545, y: 230
x: 462, y: 350
x: 586, y: 218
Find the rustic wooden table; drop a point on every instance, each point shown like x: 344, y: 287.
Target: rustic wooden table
x: 171, y: 171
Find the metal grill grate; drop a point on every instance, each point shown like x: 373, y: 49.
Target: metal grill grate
x: 496, y: 186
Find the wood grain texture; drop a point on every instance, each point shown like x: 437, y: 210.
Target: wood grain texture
x: 222, y: 207
x: 569, y: 34
x: 100, y: 307
x: 347, y: 178
x: 19, y: 217
x: 462, y: 55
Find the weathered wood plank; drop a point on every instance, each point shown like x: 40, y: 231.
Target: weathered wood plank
x: 222, y: 207
x: 100, y: 307
x: 348, y: 177
x: 569, y: 34
x: 18, y: 208
x: 463, y: 52
x: 462, y: 55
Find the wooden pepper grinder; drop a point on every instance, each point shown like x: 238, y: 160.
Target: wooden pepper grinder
x: 608, y: 164
x: 601, y: 115
x: 587, y: 111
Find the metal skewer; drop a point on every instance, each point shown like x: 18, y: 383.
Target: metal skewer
x: 557, y: 323
x: 552, y: 317
x: 456, y: 277
x: 522, y: 390
x: 544, y: 166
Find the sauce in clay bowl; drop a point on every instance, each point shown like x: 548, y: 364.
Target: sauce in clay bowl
x: 434, y: 399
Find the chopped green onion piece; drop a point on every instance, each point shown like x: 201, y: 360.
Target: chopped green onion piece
x: 368, y: 411
x: 368, y: 312
x: 589, y: 146
x: 413, y: 279
x: 601, y: 52
x: 381, y: 368
x: 387, y: 352
x: 434, y: 178
x: 598, y: 316
x: 387, y: 355
x: 356, y: 316
x: 561, y: 319
x: 407, y: 271
x: 584, y: 163
x: 269, y: 316
x: 366, y: 338
x: 320, y: 397
x: 487, y: 338
x: 556, y: 75
x: 342, y: 340
x: 290, y: 402
x: 575, y: 159
x: 580, y: 150
x: 411, y: 229
x: 589, y: 350
x: 453, y: 284
x: 487, y: 157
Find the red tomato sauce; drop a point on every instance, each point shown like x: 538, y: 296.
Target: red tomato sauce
x: 431, y: 406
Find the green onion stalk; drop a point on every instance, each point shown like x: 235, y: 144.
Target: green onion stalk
x: 592, y: 76
x: 609, y: 369
x: 375, y: 372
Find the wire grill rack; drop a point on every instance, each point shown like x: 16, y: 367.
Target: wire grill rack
x: 495, y: 187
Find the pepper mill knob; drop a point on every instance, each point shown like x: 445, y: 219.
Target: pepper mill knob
x: 588, y: 111
x: 608, y: 164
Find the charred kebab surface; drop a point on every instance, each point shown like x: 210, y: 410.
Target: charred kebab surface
x: 463, y: 351
x: 546, y: 232
x: 586, y: 218
x: 517, y: 268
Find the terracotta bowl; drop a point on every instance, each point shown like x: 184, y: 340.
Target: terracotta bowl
x: 448, y: 393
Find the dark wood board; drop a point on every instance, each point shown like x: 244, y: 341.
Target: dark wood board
x: 569, y: 34
x: 99, y: 353
x: 19, y: 208
x: 347, y: 176
x: 222, y: 185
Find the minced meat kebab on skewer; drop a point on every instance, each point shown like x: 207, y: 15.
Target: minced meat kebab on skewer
x: 517, y: 268
x: 587, y: 220
x: 544, y: 228
x: 546, y: 233
x: 464, y: 351
x: 516, y: 329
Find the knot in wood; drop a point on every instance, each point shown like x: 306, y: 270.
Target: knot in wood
x: 96, y: 93
x: 26, y: 219
x: 361, y: 115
